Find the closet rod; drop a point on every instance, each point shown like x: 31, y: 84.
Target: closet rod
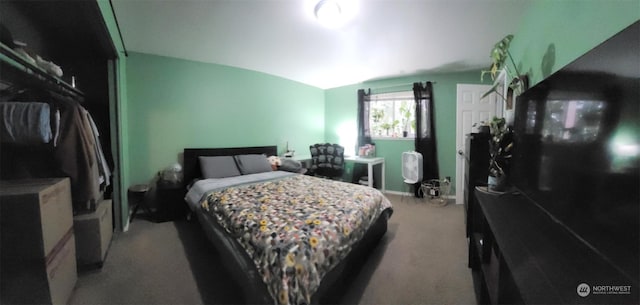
x: 26, y: 72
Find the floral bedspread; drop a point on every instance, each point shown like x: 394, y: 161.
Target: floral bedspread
x: 296, y: 229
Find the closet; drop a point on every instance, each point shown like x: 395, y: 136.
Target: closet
x: 72, y: 36
x: 55, y: 57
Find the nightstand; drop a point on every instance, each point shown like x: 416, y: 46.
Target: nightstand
x: 170, y: 204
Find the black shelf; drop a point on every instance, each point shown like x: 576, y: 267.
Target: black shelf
x: 539, y: 260
x: 476, y: 171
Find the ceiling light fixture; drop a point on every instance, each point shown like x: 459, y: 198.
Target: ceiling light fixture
x: 329, y: 13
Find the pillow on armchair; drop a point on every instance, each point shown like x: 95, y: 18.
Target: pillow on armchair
x: 327, y: 160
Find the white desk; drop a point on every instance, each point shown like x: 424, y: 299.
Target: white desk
x: 370, y: 163
x: 304, y: 159
x: 301, y: 158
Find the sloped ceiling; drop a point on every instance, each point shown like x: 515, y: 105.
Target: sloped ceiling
x: 385, y: 38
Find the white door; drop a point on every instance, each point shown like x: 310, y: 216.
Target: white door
x: 470, y: 110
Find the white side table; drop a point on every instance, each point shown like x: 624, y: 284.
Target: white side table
x: 370, y: 163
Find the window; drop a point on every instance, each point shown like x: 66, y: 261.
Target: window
x: 392, y: 115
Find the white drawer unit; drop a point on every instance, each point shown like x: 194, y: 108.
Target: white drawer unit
x: 37, y: 241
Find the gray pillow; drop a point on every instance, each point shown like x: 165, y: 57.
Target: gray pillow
x: 218, y: 167
x: 290, y: 165
x: 253, y: 164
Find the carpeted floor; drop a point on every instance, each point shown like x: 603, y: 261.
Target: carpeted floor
x: 421, y: 260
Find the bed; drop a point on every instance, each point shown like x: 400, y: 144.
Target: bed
x: 287, y: 238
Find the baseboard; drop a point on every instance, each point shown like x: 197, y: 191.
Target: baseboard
x: 449, y: 197
x: 398, y: 193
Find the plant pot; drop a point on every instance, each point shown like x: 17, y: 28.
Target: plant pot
x: 405, y: 134
x: 497, y: 184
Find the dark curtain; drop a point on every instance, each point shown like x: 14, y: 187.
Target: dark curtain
x: 364, y: 130
x: 425, y: 133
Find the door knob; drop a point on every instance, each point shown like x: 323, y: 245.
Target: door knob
x: 460, y: 152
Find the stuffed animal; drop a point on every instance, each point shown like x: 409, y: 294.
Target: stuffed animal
x: 275, y: 162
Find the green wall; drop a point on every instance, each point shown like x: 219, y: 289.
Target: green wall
x: 551, y: 35
x: 118, y: 114
x: 554, y: 33
x: 341, y: 121
x: 175, y: 103
x: 167, y: 104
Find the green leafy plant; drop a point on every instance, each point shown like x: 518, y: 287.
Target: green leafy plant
x: 378, y: 115
x: 500, y: 146
x: 499, y: 55
x: 394, y: 124
x: 386, y: 126
x: 405, y: 112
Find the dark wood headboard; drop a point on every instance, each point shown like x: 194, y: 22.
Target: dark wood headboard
x: 191, y: 169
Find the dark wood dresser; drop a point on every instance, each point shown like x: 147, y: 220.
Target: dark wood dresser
x: 476, y: 169
x: 520, y: 254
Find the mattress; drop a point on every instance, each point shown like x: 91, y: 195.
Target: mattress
x: 200, y: 187
x: 287, y: 232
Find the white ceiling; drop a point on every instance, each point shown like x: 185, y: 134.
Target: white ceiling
x: 386, y: 38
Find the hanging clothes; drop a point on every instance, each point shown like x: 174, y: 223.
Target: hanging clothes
x: 25, y: 123
x: 76, y: 156
x: 103, y: 167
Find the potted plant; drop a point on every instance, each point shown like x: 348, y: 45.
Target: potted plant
x: 377, y: 115
x: 394, y: 124
x: 405, y: 111
x: 499, y: 55
x: 500, y: 145
x: 386, y: 126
